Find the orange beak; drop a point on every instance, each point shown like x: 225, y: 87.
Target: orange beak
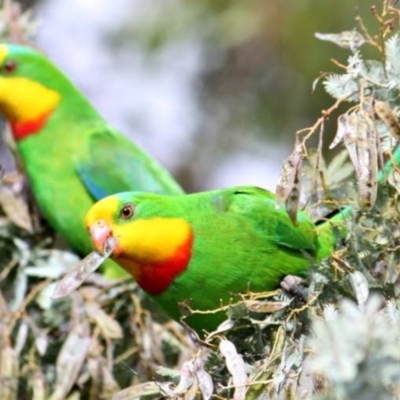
x: 100, y: 231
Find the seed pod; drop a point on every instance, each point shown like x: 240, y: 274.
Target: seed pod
x: 288, y: 188
x: 360, y: 138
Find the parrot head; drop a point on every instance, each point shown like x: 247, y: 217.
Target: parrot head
x: 152, y: 243
x: 30, y: 87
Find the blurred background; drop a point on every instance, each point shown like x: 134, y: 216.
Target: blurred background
x: 215, y: 89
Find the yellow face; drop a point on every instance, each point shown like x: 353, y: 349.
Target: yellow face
x: 152, y: 240
x: 22, y: 99
x: 140, y: 241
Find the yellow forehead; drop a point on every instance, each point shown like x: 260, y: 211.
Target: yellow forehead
x: 3, y: 52
x: 103, y: 209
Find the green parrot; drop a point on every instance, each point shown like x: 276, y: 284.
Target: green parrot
x: 206, y: 246
x: 72, y: 156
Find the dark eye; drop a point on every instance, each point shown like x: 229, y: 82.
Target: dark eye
x: 127, y: 212
x: 9, y: 66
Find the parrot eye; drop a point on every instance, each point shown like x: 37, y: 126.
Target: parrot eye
x: 127, y: 212
x: 9, y: 66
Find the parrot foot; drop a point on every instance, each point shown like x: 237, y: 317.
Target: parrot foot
x: 293, y: 285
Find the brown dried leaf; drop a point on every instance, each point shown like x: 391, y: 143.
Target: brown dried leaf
x: 293, y: 201
x: 73, y: 279
x: 73, y: 353
x: 109, y: 384
x: 288, y: 188
x: 109, y: 327
x: 93, y: 366
x: 360, y: 139
x: 41, y: 342
x: 236, y: 367
x: 4, y: 311
x: 16, y: 209
x: 341, y: 130
x: 289, y: 175
x: 222, y: 327
x: 41, y: 339
x: 205, y: 382
x: 186, y: 378
x: 394, y: 179
x: 8, y: 372
x: 90, y: 292
x: 265, y: 306
x: 367, y: 171
x: 388, y: 117
x: 349, y: 125
x: 360, y: 287
x: 38, y: 384
x: 138, y: 391
x: 22, y: 336
x: 69, y: 362
x: 76, y: 395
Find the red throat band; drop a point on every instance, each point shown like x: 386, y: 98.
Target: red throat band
x: 155, y: 278
x: 21, y: 130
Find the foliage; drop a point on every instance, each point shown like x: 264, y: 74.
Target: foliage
x: 325, y: 337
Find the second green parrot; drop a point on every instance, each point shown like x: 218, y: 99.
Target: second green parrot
x: 204, y: 247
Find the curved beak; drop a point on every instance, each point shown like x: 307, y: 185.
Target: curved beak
x: 99, y: 231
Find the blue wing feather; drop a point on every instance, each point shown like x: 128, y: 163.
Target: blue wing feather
x: 109, y: 163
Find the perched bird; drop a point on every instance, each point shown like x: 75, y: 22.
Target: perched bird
x: 70, y: 153
x: 206, y: 246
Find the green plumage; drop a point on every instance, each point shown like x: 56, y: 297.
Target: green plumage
x: 77, y: 158
x: 241, y: 242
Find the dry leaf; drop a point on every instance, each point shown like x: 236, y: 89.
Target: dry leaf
x: 73, y: 279
x: 8, y: 372
x: 347, y: 39
x: 288, y: 175
x: 16, y: 209
x: 236, y: 367
x: 109, y: 327
x: 357, y: 130
x: 394, y: 179
x: 360, y: 287
x: 265, y: 306
x: 288, y: 187
x: 38, y: 384
x: 73, y: 353
x: 388, y: 117
x: 205, y: 382
x: 138, y: 391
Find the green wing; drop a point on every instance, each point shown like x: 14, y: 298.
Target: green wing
x: 257, y: 206
x: 109, y: 163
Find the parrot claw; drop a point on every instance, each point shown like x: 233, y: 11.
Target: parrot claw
x: 292, y: 284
